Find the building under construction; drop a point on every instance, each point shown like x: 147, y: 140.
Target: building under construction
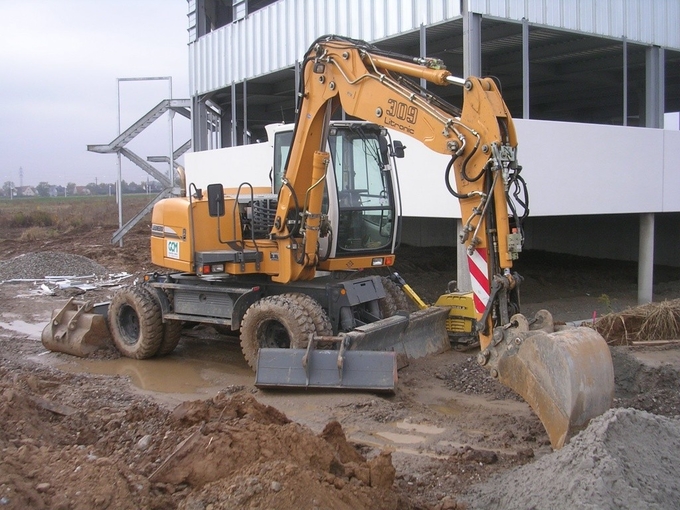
x: 591, y: 83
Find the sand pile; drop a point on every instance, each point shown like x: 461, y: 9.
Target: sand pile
x: 625, y: 459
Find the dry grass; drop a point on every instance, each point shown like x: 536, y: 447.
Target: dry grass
x: 653, y: 321
x: 65, y: 213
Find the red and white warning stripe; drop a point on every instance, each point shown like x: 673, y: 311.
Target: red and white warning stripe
x: 479, y: 276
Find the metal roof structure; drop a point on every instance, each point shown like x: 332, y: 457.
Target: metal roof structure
x: 584, y: 56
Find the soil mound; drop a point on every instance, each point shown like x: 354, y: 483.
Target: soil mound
x: 227, y: 452
x: 625, y: 459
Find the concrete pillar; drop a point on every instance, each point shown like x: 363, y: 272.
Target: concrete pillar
x: 646, y: 259
x: 462, y: 270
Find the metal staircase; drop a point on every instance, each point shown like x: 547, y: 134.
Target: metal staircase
x: 118, y: 146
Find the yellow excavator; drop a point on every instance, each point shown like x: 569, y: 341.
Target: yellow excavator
x: 274, y: 266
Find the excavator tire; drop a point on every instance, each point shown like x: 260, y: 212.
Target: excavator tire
x: 135, y: 322
x: 280, y: 321
x: 172, y: 330
x: 395, y: 300
x: 172, y: 333
x: 322, y: 324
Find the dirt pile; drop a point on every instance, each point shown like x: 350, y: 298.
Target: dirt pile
x: 120, y: 452
x: 625, y: 459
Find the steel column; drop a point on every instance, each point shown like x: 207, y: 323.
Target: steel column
x: 625, y: 82
x: 423, y: 50
x: 472, y: 43
x: 654, y: 87
x: 525, y: 69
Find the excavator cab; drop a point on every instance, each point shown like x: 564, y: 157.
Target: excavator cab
x: 363, y: 213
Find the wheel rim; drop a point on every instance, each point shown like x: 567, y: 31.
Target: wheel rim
x: 272, y: 333
x: 129, y: 324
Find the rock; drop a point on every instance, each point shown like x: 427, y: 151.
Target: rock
x: 483, y: 456
x: 275, y: 486
x: 43, y: 487
x: 144, y: 442
x: 382, y: 471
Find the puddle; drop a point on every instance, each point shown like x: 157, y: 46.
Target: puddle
x: 395, y: 437
x: 418, y: 427
x: 31, y: 330
x: 192, y: 369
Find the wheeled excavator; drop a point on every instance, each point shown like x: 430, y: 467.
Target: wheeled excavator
x: 274, y: 266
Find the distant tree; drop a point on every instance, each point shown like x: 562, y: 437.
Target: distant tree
x: 71, y: 188
x: 43, y: 189
x: 6, y: 187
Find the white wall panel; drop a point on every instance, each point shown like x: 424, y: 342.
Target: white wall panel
x: 570, y: 169
x: 586, y: 168
x: 671, y: 182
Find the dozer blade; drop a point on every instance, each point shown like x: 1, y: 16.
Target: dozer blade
x: 79, y: 328
x: 420, y: 334
x: 566, y: 376
x: 301, y: 368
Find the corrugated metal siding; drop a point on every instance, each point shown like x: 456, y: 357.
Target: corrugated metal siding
x: 275, y: 37
x: 646, y: 21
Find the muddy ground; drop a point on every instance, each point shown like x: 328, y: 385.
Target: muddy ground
x: 191, y: 431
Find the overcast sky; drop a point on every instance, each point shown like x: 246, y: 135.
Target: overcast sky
x: 60, y: 61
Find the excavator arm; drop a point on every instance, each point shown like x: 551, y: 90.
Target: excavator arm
x: 565, y: 375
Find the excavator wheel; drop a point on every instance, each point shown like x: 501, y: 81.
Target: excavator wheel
x: 280, y: 321
x: 135, y: 322
x: 172, y: 333
x: 395, y: 301
x: 322, y: 324
x: 172, y: 330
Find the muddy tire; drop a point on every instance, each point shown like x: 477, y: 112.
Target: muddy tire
x: 395, y: 300
x: 172, y: 333
x: 275, y: 321
x: 172, y: 330
x: 322, y: 324
x: 135, y: 322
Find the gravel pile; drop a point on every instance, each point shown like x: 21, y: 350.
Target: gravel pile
x: 49, y: 263
x: 471, y: 378
x: 626, y: 459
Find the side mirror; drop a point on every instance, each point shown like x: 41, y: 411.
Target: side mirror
x: 398, y: 149
x: 215, y: 200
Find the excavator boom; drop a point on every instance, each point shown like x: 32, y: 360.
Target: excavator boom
x: 566, y: 376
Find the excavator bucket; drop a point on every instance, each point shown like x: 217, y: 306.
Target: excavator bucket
x: 300, y: 368
x: 566, y: 376
x: 415, y: 335
x: 79, y: 328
